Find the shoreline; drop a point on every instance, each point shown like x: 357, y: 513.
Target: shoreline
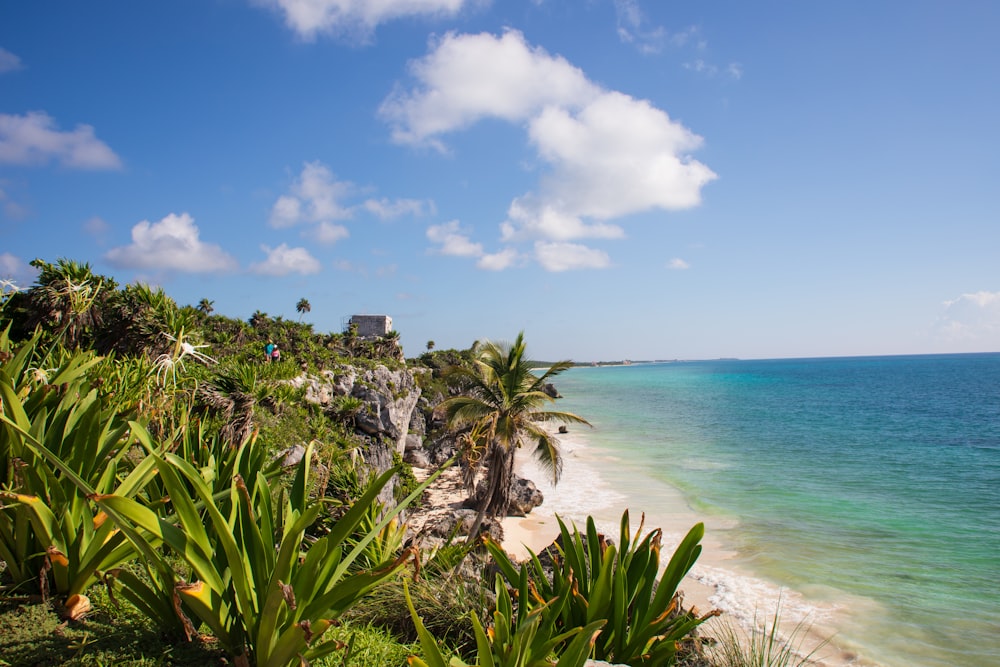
x: 715, y: 581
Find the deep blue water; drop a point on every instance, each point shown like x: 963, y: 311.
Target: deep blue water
x: 869, y: 482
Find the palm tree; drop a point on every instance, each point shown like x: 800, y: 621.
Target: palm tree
x: 69, y: 297
x: 258, y: 319
x: 205, y: 306
x: 430, y: 345
x: 303, y: 307
x: 502, y: 404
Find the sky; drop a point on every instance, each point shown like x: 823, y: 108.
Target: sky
x: 620, y: 179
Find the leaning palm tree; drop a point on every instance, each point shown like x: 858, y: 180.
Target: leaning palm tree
x: 502, y: 404
x: 206, y: 306
x: 303, y: 307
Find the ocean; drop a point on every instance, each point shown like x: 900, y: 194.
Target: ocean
x: 863, y: 494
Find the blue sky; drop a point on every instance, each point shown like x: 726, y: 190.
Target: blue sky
x: 620, y: 179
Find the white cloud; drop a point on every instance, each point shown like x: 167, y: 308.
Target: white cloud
x: 33, y: 139
x: 532, y: 216
x: 314, y: 197
x: 15, y: 270
x: 604, y: 155
x: 972, y: 319
x: 453, y: 240
x: 283, y: 260
x: 678, y: 264
x: 568, y: 256
x: 9, y: 62
x: 617, y: 156
x: 470, y: 77
x: 172, y: 244
x: 358, y: 18
x: 499, y: 261
x: 329, y: 233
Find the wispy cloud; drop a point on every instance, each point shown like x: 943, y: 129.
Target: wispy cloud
x: 97, y: 228
x: 732, y: 70
x: 9, y: 62
x: 15, y: 270
x: 283, y: 260
x: 319, y: 199
x: 569, y: 256
x: 171, y: 244
x: 354, y: 19
x: 633, y: 28
x: 11, y: 209
x: 678, y: 264
x: 34, y: 139
x: 453, y: 241
x: 972, y: 319
x: 605, y: 155
x: 386, y: 209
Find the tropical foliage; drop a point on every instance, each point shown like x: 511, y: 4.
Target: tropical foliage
x: 144, y: 475
x: 593, y: 580
x: 502, y: 406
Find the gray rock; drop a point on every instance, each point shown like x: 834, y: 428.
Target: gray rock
x: 444, y: 525
x: 413, y: 442
x: 524, y: 497
x: 291, y: 456
x: 389, y: 397
x: 417, y: 457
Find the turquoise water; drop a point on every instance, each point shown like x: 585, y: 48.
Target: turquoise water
x: 872, y: 484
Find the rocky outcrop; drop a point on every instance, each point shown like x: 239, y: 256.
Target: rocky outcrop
x: 388, y: 399
x: 459, y: 522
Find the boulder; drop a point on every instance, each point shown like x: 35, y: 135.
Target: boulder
x: 291, y: 456
x: 440, y: 450
x: 418, y: 458
x: 445, y: 524
x: 524, y: 497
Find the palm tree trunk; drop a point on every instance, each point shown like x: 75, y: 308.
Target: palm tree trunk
x: 495, y: 499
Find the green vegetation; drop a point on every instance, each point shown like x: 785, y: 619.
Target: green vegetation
x: 169, y: 497
x: 501, y: 405
x: 593, y: 580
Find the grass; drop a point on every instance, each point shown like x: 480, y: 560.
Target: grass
x: 763, y: 646
x: 33, y: 635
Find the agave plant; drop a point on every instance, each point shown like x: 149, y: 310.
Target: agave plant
x: 518, y: 638
x: 599, y: 581
x: 50, y: 532
x: 265, y: 596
